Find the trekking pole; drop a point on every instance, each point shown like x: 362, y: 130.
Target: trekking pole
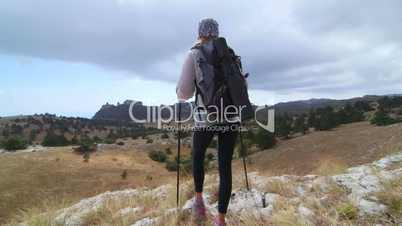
x: 243, y: 153
x: 178, y: 156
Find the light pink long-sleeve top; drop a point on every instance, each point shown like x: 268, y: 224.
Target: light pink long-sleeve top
x: 185, y: 87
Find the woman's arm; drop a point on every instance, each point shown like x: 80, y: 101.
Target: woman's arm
x: 185, y: 87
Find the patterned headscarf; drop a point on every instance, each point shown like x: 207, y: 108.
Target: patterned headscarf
x: 208, y: 28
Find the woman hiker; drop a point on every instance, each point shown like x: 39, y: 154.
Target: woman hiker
x: 202, y: 137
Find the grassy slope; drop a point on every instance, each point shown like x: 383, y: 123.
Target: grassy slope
x: 321, y: 152
x: 29, y: 180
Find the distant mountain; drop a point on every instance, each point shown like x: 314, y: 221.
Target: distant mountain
x: 121, y: 111
x: 303, y: 106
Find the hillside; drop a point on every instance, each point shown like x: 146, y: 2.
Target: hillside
x: 62, y: 131
x: 304, y: 106
x: 53, y: 179
x: 120, y: 110
x: 345, y: 146
x: 363, y: 195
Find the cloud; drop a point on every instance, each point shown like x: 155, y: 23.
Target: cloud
x: 289, y: 46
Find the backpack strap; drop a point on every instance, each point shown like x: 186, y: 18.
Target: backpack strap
x: 197, y: 88
x: 197, y: 91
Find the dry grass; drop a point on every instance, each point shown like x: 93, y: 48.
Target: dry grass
x: 347, y: 211
x: 351, y: 144
x: 109, y: 213
x: 42, y: 215
x: 287, y: 217
x: 391, y: 196
x: 26, y: 179
x: 280, y: 187
x: 330, y: 166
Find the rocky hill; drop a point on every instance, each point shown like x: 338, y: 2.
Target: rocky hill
x: 369, y: 194
x: 120, y: 111
x: 52, y: 130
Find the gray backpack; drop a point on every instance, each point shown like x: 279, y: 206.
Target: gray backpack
x: 219, y: 79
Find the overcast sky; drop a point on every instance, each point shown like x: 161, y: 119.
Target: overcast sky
x: 70, y: 56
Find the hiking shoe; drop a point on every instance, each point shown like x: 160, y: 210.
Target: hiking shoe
x: 217, y: 222
x: 199, y: 210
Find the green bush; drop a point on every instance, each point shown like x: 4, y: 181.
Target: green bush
x: 381, y: 118
x: 171, y: 165
x: 124, y: 175
x: 185, y: 164
x: 14, y: 143
x: 164, y: 136
x: 168, y: 151
x: 109, y: 140
x: 149, y: 141
x: 86, y: 157
x: 264, y: 139
x: 74, y: 140
x: 327, y: 118
x: 86, y: 146
x: 348, y: 211
x: 121, y: 143
x: 283, y: 125
x: 158, y: 156
x: 53, y: 140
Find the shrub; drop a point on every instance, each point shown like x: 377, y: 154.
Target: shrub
x: 283, y: 125
x: 86, y: 146
x: 54, y: 140
x: 171, y: 165
x: 97, y: 139
x: 164, y: 136
x: 327, y: 118
x: 300, y: 125
x: 14, y: 143
x: 158, y: 156
x: 381, y: 118
x: 124, y: 175
x: 149, y: 141
x: 348, y: 211
x: 86, y: 156
x: 74, y: 140
x: 391, y: 196
x: 121, y: 143
x: 185, y: 164
x: 110, y: 140
x: 168, y: 151
x: 264, y: 139
x: 33, y: 134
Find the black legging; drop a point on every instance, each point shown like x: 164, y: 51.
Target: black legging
x: 226, y: 143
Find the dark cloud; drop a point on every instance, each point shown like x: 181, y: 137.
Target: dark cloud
x: 307, y: 46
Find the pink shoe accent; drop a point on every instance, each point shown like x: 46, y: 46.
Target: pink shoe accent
x: 218, y: 222
x: 199, y: 210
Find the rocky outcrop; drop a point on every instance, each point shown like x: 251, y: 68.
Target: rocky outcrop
x: 302, y: 196
x: 120, y: 112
